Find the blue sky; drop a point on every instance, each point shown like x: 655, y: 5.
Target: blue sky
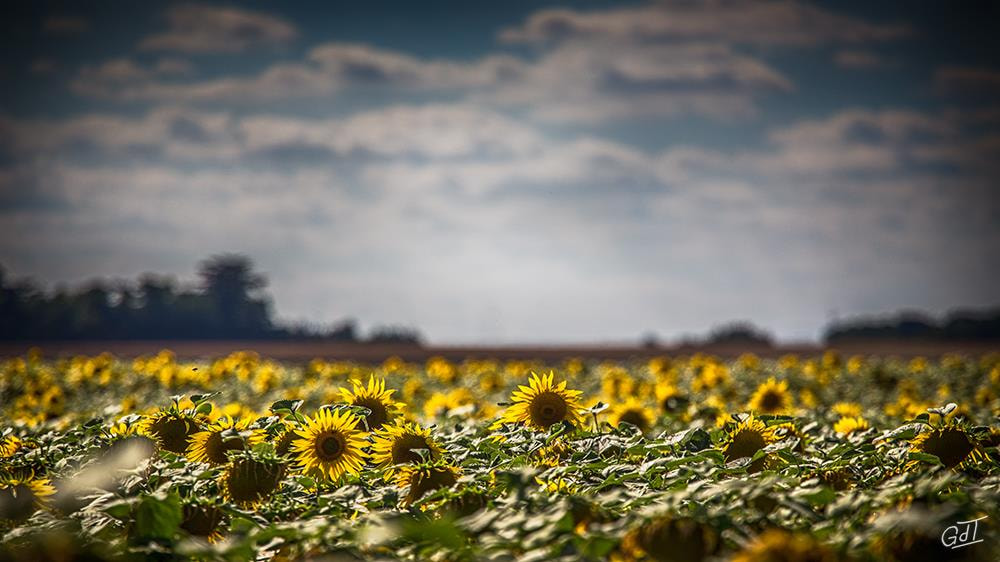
x: 514, y: 171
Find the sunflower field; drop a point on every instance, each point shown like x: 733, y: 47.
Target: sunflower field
x: 682, y: 458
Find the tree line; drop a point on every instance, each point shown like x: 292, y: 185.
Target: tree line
x: 227, y: 302
x: 958, y: 325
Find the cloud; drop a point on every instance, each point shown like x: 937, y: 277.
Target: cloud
x: 198, y: 28
x: 860, y: 60
x: 579, y: 82
x: 190, y: 135
x: 328, y: 68
x: 967, y: 81
x: 535, y: 227
x: 583, y: 82
x: 65, y: 25
x: 731, y: 22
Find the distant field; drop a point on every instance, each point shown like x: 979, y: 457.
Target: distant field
x: 306, y: 350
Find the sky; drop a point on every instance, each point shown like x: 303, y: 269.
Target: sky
x: 514, y: 172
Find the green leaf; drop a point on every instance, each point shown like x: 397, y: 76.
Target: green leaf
x: 286, y: 405
x: 158, y: 516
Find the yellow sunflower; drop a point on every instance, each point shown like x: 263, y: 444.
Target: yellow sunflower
x: 394, y: 444
x: 423, y: 479
x: 950, y: 443
x: 250, y: 480
x: 847, y: 409
x: 9, y: 445
x: 669, y: 398
x: 171, y: 429
x: 848, y: 425
x: 211, y: 445
x: 634, y: 412
x: 330, y: 444
x: 777, y: 546
x: 542, y: 404
x: 441, y: 403
x: 771, y: 397
x: 21, y: 495
x: 375, y: 397
x: 748, y: 437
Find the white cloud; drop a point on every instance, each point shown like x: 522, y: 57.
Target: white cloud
x: 197, y: 28
x: 732, y: 22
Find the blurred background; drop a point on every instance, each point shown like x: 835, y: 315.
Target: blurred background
x: 499, y: 173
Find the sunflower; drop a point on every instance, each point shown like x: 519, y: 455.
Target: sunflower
x: 778, y: 546
x: 249, y: 480
x: 440, y: 404
x: 21, y: 495
x: 771, y: 397
x: 748, y: 437
x: 171, y: 429
x: 203, y: 520
x: 950, y: 443
x: 848, y: 425
x: 211, y: 445
x: 9, y: 445
x: 634, y: 412
x: 542, y: 404
x: 669, y: 398
x: 552, y: 455
x: 330, y: 443
x: 382, y: 408
x: 847, y: 409
x: 669, y: 540
x: 423, y: 479
x: 395, y: 443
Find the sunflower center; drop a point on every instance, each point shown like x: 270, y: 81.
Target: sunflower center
x: 746, y: 443
x: 330, y: 446
x: 548, y: 408
x: 949, y: 445
x: 771, y: 401
x: 635, y: 418
x: 173, y: 433
x: 17, y: 502
x: 216, y: 447
x: 379, y: 413
x: 402, y: 449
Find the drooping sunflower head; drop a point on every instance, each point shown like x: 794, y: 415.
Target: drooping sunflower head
x: 951, y: 443
x: 848, y: 425
x: 171, y: 429
x: 771, y: 397
x: 218, y: 438
x: 398, y: 443
x: 330, y: 444
x: 745, y: 439
x: 249, y: 480
x: 668, y: 540
x: 203, y: 520
x: 634, y: 412
x: 21, y: 495
x: 542, y: 404
x: 779, y: 546
x: 423, y: 479
x: 374, y: 396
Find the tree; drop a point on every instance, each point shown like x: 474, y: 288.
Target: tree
x: 234, y: 290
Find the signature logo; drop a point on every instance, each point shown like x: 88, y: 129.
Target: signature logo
x: 962, y: 533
